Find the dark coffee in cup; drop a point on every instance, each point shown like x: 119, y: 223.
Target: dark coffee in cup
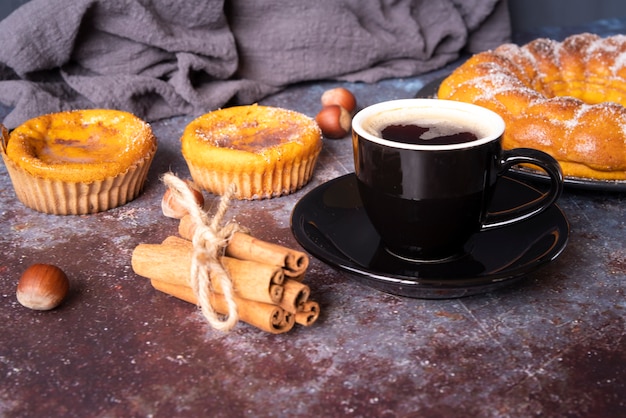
x: 427, y: 191
x: 425, y: 133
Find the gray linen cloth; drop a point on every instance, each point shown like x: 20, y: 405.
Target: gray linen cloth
x: 163, y: 58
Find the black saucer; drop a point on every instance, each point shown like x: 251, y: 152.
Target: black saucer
x: 330, y: 223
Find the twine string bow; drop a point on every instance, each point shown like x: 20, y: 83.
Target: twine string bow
x: 209, y: 243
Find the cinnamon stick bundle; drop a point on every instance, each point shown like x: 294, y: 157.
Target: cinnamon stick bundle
x: 265, y: 298
x: 245, y: 247
x: 266, y: 278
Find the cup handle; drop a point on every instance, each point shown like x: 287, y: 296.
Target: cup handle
x: 527, y: 210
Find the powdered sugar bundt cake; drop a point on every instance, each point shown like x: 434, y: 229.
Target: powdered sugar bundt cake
x: 565, y: 98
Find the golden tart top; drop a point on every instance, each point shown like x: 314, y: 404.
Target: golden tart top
x: 254, y: 129
x: 80, y: 146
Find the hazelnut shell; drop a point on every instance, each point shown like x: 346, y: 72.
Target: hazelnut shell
x: 334, y: 121
x: 340, y: 96
x: 42, y: 287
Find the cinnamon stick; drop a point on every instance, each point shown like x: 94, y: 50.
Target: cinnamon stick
x: 307, y: 313
x: 295, y: 293
x: 245, y: 247
x: 170, y: 262
x: 265, y: 316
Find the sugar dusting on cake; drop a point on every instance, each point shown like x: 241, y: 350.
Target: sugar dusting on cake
x: 546, y: 87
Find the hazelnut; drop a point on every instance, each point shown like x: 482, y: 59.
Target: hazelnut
x: 172, y: 208
x: 339, y: 96
x: 334, y: 121
x: 42, y: 287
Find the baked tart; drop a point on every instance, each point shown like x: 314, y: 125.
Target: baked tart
x: 79, y: 162
x: 263, y: 151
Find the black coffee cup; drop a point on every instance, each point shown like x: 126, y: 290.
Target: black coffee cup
x: 427, y: 169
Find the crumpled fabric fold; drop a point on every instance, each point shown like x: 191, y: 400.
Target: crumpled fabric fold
x: 160, y: 59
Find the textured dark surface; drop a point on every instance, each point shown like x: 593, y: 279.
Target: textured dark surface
x: 552, y: 344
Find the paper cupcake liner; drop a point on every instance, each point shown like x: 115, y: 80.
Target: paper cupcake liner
x: 279, y: 180
x: 68, y: 198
